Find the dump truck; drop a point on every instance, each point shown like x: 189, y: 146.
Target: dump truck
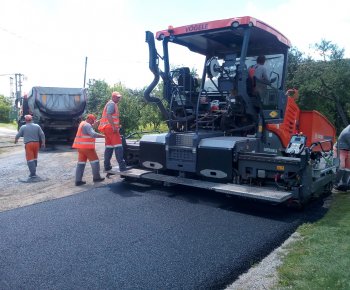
x: 221, y: 135
x: 57, y: 110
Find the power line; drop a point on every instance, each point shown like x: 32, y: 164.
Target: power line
x: 13, y: 33
x: 3, y: 75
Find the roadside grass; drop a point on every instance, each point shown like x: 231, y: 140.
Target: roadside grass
x: 12, y: 125
x: 321, y: 258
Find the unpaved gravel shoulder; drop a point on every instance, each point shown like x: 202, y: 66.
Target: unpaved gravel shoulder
x: 264, y: 275
x: 56, y: 169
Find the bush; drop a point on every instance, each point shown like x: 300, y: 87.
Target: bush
x: 5, y: 108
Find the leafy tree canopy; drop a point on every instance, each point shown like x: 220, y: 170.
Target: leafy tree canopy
x: 5, y: 108
x: 323, y: 84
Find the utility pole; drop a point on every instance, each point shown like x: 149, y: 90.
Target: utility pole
x: 12, y: 96
x: 18, y: 80
x: 18, y: 86
x: 85, y: 72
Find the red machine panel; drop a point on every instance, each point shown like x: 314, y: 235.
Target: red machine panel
x: 316, y: 127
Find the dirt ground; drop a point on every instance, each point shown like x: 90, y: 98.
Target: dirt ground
x: 56, y: 171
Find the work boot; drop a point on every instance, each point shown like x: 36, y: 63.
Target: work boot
x: 107, y: 159
x: 32, y: 168
x: 78, y: 183
x: 95, y: 166
x: 345, y: 182
x: 119, y: 155
x: 342, y: 180
x: 79, y: 174
x: 338, y: 178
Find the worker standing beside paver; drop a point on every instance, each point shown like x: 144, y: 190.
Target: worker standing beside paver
x: 85, y: 143
x: 343, y: 175
x: 32, y: 135
x: 110, y: 125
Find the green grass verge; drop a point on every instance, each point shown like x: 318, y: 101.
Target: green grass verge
x: 321, y: 259
x: 9, y: 125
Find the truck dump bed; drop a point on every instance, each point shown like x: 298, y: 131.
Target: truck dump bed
x: 62, y: 103
x: 57, y: 110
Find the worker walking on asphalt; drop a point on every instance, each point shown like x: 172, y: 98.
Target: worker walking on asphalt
x: 32, y: 135
x: 85, y: 143
x: 110, y: 125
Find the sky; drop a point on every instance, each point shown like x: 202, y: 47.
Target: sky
x: 48, y: 41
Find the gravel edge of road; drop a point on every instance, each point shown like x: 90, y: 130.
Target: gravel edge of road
x: 264, y: 275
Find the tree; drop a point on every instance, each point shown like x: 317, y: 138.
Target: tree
x: 5, y: 108
x: 328, y: 50
x: 130, y: 110
x: 98, y: 95
x: 295, y: 59
x: 151, y: 114
x: 323, y: 84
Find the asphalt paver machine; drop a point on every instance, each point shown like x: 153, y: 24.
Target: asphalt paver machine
x: 222, y: 135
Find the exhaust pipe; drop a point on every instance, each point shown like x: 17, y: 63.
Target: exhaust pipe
x: 154, y: 68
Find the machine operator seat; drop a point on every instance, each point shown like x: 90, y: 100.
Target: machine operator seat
x: 188, y: 86
x: 187, y: 81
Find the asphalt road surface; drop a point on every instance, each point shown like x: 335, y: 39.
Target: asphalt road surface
x: 124, y: 236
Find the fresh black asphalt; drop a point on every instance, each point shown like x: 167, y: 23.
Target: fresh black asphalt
x: 123, y: 236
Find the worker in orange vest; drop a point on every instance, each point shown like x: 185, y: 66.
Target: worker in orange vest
x: 110, y: 125
x: 85, y: 143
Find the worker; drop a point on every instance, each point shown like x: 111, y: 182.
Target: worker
x: 343, y: 174
x: 32, y: 135
x: 110, y: 125
x: 261, y: 80
x: 85, y: 143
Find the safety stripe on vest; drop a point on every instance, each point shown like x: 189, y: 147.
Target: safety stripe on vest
x: 106, y: 123
x: 84, y: 136
x: 114, y: 146
x: 84, y: 142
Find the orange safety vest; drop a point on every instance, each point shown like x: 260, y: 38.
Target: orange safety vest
x: 251, y: 81
x: 83, y: 141
x: 104, y: 121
